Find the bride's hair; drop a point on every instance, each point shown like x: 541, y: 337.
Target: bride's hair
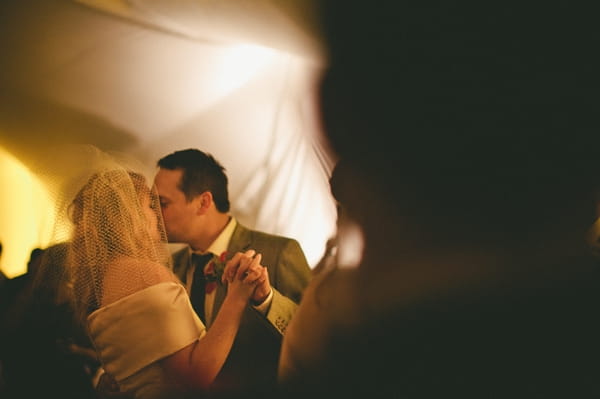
x: 107, y: 208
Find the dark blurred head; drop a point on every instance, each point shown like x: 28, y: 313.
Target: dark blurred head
x: 476, y: 113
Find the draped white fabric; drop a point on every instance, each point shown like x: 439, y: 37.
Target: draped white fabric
x: 147, y: 77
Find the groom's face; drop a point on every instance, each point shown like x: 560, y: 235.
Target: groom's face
x: 178, y: 213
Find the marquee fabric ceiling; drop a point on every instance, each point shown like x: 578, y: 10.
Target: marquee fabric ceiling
x: 234, y: 78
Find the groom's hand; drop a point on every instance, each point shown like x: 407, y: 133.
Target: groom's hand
x: 262, y: 290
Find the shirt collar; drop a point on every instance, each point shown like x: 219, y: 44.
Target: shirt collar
x: 220, y: 244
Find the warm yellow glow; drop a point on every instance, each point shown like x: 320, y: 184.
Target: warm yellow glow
x: 26, y: 214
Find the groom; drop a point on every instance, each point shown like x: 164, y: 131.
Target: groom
x: 192, y: 186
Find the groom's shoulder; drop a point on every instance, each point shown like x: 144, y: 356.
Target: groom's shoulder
x: 255, y: 235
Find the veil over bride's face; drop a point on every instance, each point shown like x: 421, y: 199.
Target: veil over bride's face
x: 151, y: 208
x: 119, y: 241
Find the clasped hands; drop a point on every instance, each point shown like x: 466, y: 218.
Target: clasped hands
x: 247, y: 268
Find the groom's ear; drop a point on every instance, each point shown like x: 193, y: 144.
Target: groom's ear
x: 203, y: 202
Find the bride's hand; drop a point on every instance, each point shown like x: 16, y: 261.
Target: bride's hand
x: 233, y: 264
x: 243, y: 273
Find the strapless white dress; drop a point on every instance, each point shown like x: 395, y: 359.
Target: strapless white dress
x: 132, y: 334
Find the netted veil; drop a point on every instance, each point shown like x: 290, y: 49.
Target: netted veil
x: 109, y: 239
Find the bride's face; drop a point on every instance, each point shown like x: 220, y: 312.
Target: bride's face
x: 151, y: 218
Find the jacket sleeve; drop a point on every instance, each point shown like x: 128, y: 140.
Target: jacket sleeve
x: 281, y: 311
x: 288, y: 282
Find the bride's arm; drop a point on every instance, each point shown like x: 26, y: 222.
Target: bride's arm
x: 197, y: 365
